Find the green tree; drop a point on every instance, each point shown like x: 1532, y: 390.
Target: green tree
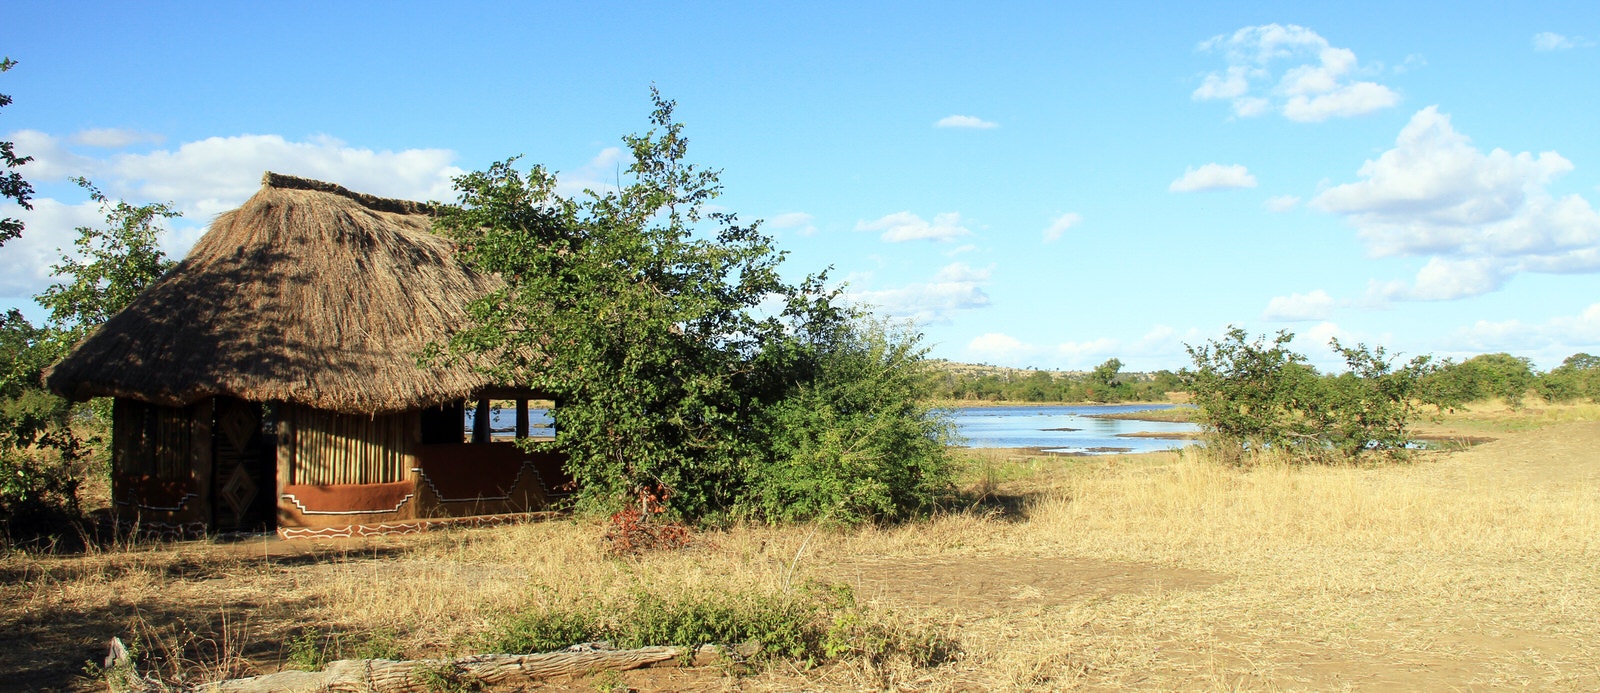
x: 1105, y: 382
x: 116, y: 263
x: 47, y: 444
x: 1372, y: 404
x: 12, y: 185
x: 640, y: 311
x: 1578, y: 377
x: 1251, y: 394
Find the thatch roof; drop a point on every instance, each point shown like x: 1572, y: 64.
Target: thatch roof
x: 309, y: 293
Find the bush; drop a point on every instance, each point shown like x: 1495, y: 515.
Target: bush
x: 1483, y: 377
x: 814, y: 625
x: 1578, y: 377
x: 855, y: 441
x: 644, y: 314
x: 1252, y: 397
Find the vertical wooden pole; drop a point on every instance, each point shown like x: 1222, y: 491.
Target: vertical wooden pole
x: 287, y: 446
x: 480, y: 422
x: 522, y: 418
x: 202, y: 469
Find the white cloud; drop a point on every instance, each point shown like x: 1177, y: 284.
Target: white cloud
x: 1290, y: 69
x: 1354, y: 100
x: 999, y: 348
x: 600, y: 174
x: 1317, y: 305
x: 1551, y: 41
x: 1213, y: 177
x: 1320, y: 334
x: 800, y: 222
x: 1060, y: 224
x: 955, y: 287
x: 960, y: 250
x: 905, y: 226
x: 1079, y: 355
x: 965, y: 121
x: 25, y: 262
x: 114, y: 138
x: 1281, y: 203
x: 201, y: 179
x: 1547, y: 342
x: 1479, y: 217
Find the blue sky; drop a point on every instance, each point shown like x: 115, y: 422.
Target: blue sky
x: 1046, y: 185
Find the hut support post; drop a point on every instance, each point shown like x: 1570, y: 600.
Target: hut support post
x: 200, y: 456
x: 480, y: 422
x: 522, y: 418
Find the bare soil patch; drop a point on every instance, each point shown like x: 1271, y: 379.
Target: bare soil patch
x: 1005, y: 583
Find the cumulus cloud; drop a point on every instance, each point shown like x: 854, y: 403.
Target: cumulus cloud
x: 1552, y: 41
x: 955, y: 287
x: 1547, y: 342
x: 965, y: 121
x: 25, y: 262
x: 1213, y: 177
x: 1000, y: 348
x: 799, y: 222
x: 1160, y: 347
x: 1281, y: 203
x: 1478, y: 217
x: 1317, y: 338
x: 1290, y: 69
x: 201, y: 179
x: 1317, y: 305
x: 905, y: 226
x: 1060, y: 224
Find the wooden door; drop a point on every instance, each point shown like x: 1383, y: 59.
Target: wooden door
x: 245, y: 468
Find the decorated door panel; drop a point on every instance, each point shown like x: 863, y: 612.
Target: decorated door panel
x: 245, y: 468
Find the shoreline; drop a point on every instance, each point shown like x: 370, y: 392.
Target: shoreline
x: 977, y: 404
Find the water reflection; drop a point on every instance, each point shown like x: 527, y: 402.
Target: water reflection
x: 1066, y: 429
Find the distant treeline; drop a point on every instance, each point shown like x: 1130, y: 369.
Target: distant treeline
x: 1449, y: 384
x: 1511, y: 378
x: 1106, y: 383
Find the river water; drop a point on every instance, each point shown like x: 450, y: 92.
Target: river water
x: 1065, y: 428
x: 1044, y: 427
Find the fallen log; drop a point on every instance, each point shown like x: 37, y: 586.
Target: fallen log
x: 419, y: 675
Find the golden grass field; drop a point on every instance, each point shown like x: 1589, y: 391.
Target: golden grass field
x: 1471, y: 569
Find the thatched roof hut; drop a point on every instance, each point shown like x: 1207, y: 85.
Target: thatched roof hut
x: 308, y: 294
x: 271, y: 379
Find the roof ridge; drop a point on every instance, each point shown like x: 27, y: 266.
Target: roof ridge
x: 372, y: 202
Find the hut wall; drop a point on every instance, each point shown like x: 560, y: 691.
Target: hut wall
x: 331, y: 449
x: 341, y: 469
x: 161, y: 465
x: 465, y: 479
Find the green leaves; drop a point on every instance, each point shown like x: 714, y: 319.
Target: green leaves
x: 45, y: 441
x: 640, y: 311
x: 117, y: 263
x: 1254, y: 396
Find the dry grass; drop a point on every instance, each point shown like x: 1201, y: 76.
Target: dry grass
x: 1464, y: 570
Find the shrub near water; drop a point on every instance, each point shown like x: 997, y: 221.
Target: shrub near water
x: 1253, y: 397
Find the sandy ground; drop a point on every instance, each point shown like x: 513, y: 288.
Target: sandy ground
x: 1037, y: 609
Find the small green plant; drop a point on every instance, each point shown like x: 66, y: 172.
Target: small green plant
x: 311, y: 649
x: 307, y: 650
x: 813, y: 624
